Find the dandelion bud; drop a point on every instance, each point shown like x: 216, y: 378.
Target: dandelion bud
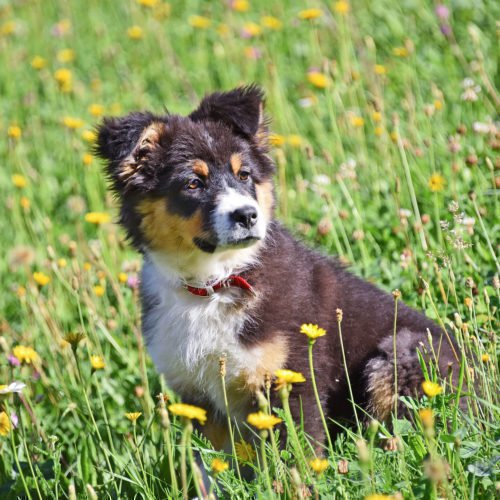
x: 3, y: 345
x: 396, y: 294
x: 373, y: 426
x: 496, y: 282
x: 469, y: 282
x: 261, y: 401
x: 363, y: 451
x: 343, y: 466
x: 222, y: 366
x: 91, y: 492
x: 50, y: 252
x: 75, y: 284
x: 72, y: 491
x: 458, y: 320
x: 340, y: 315
x: 486, y: 297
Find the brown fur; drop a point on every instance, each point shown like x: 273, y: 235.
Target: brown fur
x: 235, y: 162
x: 200, y: 168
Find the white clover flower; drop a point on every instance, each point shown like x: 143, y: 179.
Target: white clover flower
x: 11, y: 388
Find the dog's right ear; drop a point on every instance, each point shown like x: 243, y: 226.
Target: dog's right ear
x: 129, y: 144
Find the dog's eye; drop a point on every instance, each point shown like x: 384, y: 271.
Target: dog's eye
x: 244, y: 175
x: 195, y: 184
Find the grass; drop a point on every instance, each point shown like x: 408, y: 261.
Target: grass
x: 391, y: 166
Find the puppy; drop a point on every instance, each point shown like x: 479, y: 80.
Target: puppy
x: 222, y: 277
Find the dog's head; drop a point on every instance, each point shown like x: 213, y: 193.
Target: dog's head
x: 193, y: 187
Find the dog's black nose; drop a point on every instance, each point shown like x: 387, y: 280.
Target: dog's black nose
x: 246, y: 216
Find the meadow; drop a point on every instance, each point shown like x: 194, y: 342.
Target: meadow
x: 386, y: 148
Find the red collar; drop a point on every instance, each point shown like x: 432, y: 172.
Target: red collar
x: 233, y: 280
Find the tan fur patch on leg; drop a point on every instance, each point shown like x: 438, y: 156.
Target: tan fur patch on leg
x: 265, y: 198
x: 380, y: 388
x: 218, y: 434
x: 166, y: 231
x: 235, y: 162
x: 200, y: 168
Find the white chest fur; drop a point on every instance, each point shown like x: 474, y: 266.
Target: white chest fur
x: 186, y: 335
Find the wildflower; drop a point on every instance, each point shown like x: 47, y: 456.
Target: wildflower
x: 218, y: 466
x: 61, y: 28
x: 64, y: 78
x: 89, y: 136
x: 271, y: 22
x: 471, y: 90
x: 87, y: 266
x: 244, y: 451
x: 318, y: 80
x: 295, y: 140
x: 11, y: 388
x: 122, y: 277
x: 341, y: 7
x: 133, y: 416
x: 61, y: 263
x: 442, y: 11
x: 468, y: 302
x: 394, y: 136
x: 66, y: 55
x: 96, y: 110
x: 240, y: 5
x: 357, y: 121
x: 276, y: 140
x: 426, y: 417
x: 377, y: 116
x: 25, y: 354
x: 148, y: 3
x: 97, y: 218
x: 312, y: 331
x: 436, y: 183
x: 251, y: 30
x: 223, y: 30
x: 343, y: 466
x: 431, y: 389
x: 400, y: 52
x: 378, y: 496
x: 318, y: 465
x: 485, y: 358
x: 14, y: 132
x: 38, y: 62
x: 8, y: 28
x: 72, y: 122
x: 41, y: 278
x: 378, y: 131
x: 99, y: 290
x: 199, y: 22
x: 135, y: 32
x: 309, y: 14
x: 253, y: 53
x: 97, y: 362
x: 5, y: 424
x: 74, y: 338
x: 189, y: 411
x: 262, y: 420
x: 438, y: 104
x: 87, y: 159
x: 19, y: 181
x: 289, y: 376
x: 380, y: 69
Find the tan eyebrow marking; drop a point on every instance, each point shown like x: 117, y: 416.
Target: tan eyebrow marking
x: 200, y: 168
x: 235, y: 161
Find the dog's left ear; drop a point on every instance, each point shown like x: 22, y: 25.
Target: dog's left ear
x: 242, y: 109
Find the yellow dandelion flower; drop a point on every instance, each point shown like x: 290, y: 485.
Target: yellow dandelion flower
x: 63, y: 27
x: 38, y: 62
x: 5, y: 424
x: 199, y: 22
x: 133, y: 416
x: 271, y: 22
x: 218, y: 466
x: 74, y: 338
x: 148, y: 3
x: 97, y: 217
x: 377, y: 116
x: 189, y: 411
x: 240, y: 5
x: 24, y: 202
x: 318, y: 465
x: 25, y: 354
x: 431, y: 389
x: 378, y: 131
x: 312, y: 331
x: 357, y: 121
x: 394, y: 136
x: 122, y: 277
x: 438, y: 104
x: 318, y: 80
x: 135, y: 33
x: 341, y: 7
x: 66, y: 55
x: 468, y: 302
x: 244, y: 451
x: 97, y: 362
x: 20, y: 291
x: 309, y: 14
x: 262, y: 420
x: 289, y: 376
x: 87, y: 266
x: 276, y: 140
x: 295, y: 140
x: 96, y: 110
x: 89, y: 136
x: 72, y: 123
x: 19, y: 181
x: 41, y: 278
x: 8, y: 28
x: 64, y: 78
x: 62, y: 263
x: 14, y: 132
x: 436, y: 183
x: 380, y: 69
x: 426, y: 417
x: 378, y: 496
x: 252, y: 29
x: 485, y: 358
x: 99, y: 290
x: 223, y: 30
x: 400, y: 52
x: 87, y: 159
